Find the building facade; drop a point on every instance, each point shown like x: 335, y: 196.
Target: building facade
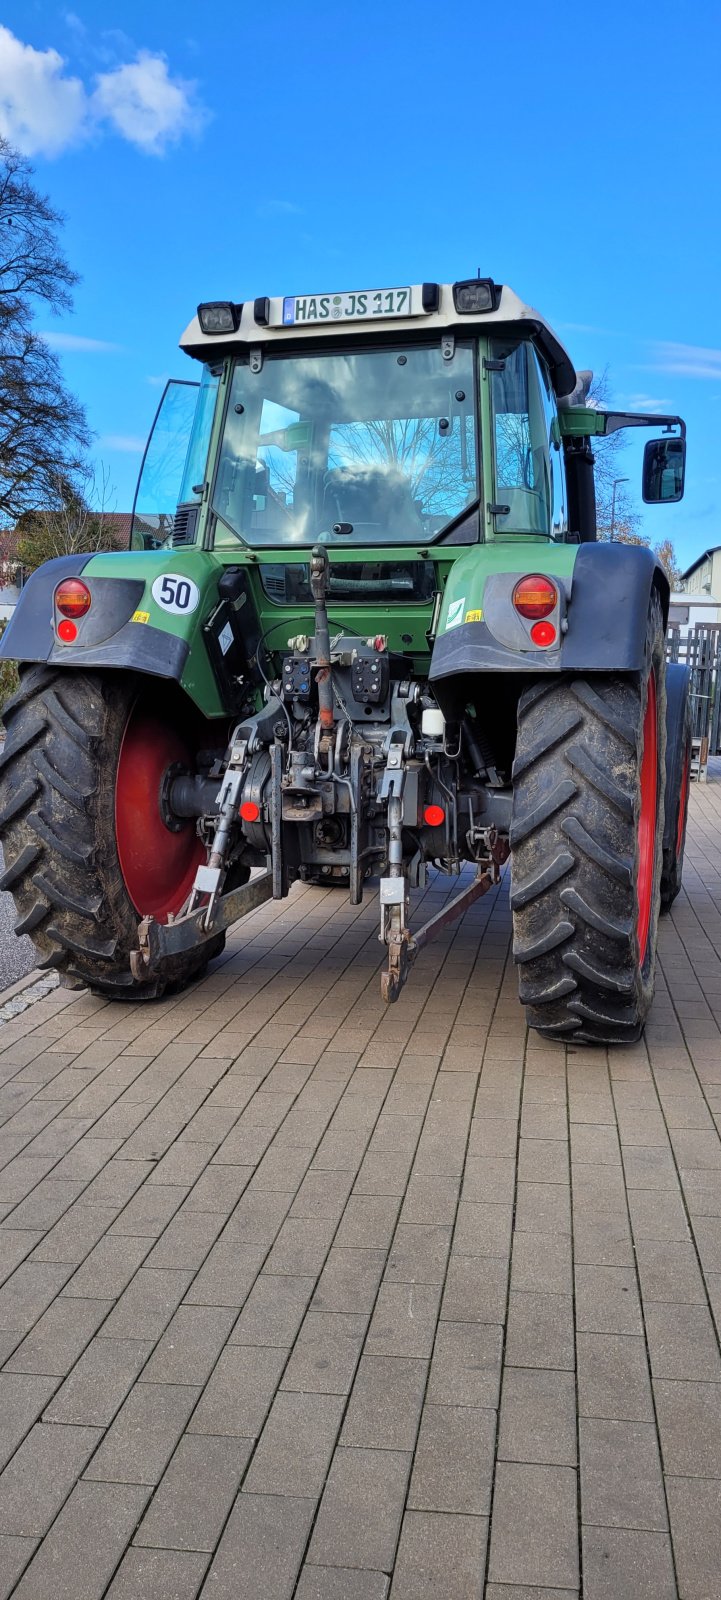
x: 703, y: 577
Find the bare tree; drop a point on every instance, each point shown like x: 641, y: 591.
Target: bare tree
x: 43, y: 432
x: 626, y: 521
x: 666, y: 554
x: 430, y: 461
x: 608, y: 468
x: 77, y: 521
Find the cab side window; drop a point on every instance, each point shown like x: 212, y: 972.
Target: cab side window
x: 559, y: 512
x: 529, y: 476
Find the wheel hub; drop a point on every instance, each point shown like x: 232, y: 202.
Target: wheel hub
x: 158, y: 861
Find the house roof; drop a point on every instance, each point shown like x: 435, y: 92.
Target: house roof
x: 700, y: 560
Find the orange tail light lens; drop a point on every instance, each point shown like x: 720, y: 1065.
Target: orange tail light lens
x: 535, y: 596
x: 72, y: 598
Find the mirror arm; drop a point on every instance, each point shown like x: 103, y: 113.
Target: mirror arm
x: 638, y: 419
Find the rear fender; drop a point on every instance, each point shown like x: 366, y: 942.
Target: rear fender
x: 678, y: 685
x: 133, y: 624
x: 605, y: 594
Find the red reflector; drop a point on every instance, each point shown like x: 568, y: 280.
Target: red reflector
x: 249, y: 811
x: 543, y: 633
x: 535, y: 596
x: 72, y: 598
x: 67, y: 631
x: 434, y: 816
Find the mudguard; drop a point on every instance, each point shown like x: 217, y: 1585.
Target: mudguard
x: 126, y: 628
x: 678, y: 685
x: 601, y: 617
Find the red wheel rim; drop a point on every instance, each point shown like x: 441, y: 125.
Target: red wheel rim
x: 158, y: 865
x: 648, y: 819
x: 683, y: 802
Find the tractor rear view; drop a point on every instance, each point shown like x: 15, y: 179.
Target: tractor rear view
x: 364, y: 629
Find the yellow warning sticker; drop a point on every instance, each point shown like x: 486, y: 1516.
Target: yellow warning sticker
x: 140, y: 616
x: 474, y: 616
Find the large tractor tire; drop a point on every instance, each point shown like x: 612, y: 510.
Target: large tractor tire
x: 679, y: 736
x: 586, y: 842
x: 87, y: 850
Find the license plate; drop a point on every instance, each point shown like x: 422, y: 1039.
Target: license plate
x: 366, y: 305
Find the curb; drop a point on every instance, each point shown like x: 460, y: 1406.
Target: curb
x: 32, y: 980
x: 22, y: 983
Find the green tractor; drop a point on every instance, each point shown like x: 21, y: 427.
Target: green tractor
x: 364, y: 627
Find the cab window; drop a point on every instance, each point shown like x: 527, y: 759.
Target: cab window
x: 523, y: 412
x: 364, y: 447
x: 559, y: 516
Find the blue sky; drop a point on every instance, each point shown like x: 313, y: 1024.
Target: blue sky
x: 225, y: 151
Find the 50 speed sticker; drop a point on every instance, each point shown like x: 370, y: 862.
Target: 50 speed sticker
x: 176, y: 594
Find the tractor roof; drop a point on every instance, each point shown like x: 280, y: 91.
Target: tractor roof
x: 288, y: 321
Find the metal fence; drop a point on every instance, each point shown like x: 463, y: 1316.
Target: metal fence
x: 700, y: 649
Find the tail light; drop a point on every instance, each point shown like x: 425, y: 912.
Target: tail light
x: 535, y: 596
x: 72, y: 598
x: 434, y: 816
x: 543, y: 633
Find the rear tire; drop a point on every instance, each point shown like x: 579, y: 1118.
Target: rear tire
x: 679, y: 728
x: 58, y: 783
x: 586, y: 840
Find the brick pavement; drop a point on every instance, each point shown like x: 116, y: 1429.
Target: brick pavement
x: 305, y: 1298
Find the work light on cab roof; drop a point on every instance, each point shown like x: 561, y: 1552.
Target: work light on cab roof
x: 364, y: 632
x: 471, y: 297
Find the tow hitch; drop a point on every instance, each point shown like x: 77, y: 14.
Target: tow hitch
x: 159, y: 939
x: 403, y: 946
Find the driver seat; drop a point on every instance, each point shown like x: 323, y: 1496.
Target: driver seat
x: 370, y: 497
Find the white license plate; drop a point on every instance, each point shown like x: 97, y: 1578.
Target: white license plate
x: 367, y: 305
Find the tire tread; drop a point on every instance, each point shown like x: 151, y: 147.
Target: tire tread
x: 574, y: 851
x: 58, y: 833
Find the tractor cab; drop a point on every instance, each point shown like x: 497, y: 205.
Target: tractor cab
x: 432, y: 415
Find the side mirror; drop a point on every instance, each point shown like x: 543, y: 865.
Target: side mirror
x: 664, y: 466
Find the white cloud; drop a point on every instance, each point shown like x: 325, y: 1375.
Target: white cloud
x: 586, y: 327
x: 144, y: 104
x: 129, y: 443
x: 279, y: 208
x: 45, y: 110
x: 74, y: 23
x: 687, y: 360
x: 78, y: 341
x: 41, y: 108
x: 643, y: 402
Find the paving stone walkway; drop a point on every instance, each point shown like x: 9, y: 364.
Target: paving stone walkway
x: 306, y: 1298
